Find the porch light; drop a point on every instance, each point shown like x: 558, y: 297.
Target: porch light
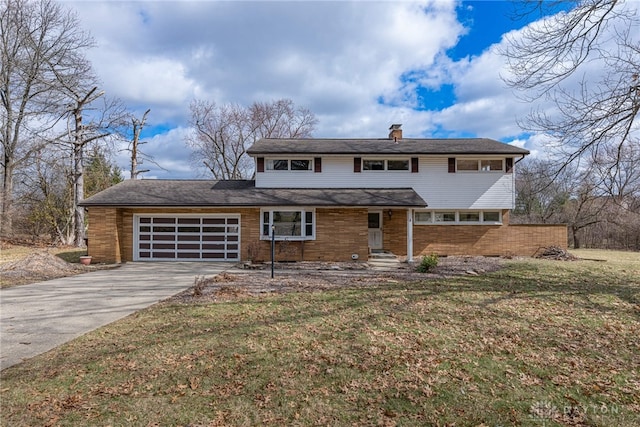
x: 389, y: 213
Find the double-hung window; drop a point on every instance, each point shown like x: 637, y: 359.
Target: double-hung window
x: 288, y: 224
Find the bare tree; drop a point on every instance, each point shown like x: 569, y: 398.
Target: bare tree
x: 41, y: 43
x: 574, y: 197
x: 137, y: 126
x: 137, y: 155
x: 594, y: 47
x: 623, y: 182
x: 222, y: 134
x: 87, y: 124
x: 585, y: 207
x: 539, y: 197
x: 281, y: 119
x: 47, y: 193
x: 47, y: 197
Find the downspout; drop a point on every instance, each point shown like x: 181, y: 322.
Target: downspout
x: 410, y: 235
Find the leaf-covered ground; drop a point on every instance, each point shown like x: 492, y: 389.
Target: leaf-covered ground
x: 23, y: 263
x: 537, y: 343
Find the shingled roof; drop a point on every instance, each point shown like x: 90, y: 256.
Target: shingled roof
x: 238, y: 193
x: 407, y: 146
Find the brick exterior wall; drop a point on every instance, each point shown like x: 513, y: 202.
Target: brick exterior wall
x: 487, y: 240
x: 394, y: 231
x: 340, y: 233
x: 104, y: 235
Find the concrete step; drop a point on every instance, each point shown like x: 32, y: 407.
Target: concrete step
x: 382, y: 255
x: 384, y: 261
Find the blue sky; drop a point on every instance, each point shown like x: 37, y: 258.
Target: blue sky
x: 359, y: 66
x: 486, y: 22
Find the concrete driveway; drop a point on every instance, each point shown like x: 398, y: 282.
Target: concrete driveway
x: 38, y: 317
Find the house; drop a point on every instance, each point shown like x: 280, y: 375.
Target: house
x: 326, y: 199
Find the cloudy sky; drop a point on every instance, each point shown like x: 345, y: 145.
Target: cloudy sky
x: 359, y: 66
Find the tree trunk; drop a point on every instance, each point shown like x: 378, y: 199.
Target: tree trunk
x: 137, y: 129
x: 6, y: 221
x: 78, y: 188
x: 78, y: 176
x: 576, y: 240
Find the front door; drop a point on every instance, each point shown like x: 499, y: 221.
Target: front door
x: 375, y: 230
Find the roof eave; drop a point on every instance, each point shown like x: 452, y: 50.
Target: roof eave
x: 405, y: 153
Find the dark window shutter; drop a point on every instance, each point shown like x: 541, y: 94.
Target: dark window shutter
x: 452, y: 165
x: 414, y: 165
x: 317, y: 164
x: 357, y: 164
x: 509, y: 164
x: 260, y: 166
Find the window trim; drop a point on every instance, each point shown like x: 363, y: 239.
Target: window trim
x: 303, y: 223
x: 457, y: 212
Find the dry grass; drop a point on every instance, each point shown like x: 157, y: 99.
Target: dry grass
x: 22, y: 264
x: 10, y: 252
x: 538, y: 343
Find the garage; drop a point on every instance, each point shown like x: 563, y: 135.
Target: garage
x: 186, y: 238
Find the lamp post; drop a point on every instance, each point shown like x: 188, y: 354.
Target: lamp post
x: 273, y: 247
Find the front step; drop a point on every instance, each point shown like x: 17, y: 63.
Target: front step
x: 379, y: 254
x: 384, y: 261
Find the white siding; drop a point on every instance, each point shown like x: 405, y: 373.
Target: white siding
x: 463, y: 190
x: 440, y: 189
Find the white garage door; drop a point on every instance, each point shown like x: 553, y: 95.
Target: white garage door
x: 187, y: 238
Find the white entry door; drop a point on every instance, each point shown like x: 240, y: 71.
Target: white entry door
x: 375, y: 230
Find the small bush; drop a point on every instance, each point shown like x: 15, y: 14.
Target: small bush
x: 199, y: 284
x: 427, y: 263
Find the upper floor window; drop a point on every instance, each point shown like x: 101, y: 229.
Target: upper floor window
x: 484, y: 165
x: 289, y: 164
x: 491, y: 165
x: 385, y: 164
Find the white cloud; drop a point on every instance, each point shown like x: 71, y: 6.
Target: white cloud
x: 147, y: 80
x: 336, y: 58
x: 170, y: 157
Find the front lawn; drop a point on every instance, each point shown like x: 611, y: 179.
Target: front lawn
x: 539, y: 343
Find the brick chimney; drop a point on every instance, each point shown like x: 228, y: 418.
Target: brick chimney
x: 395, y: 133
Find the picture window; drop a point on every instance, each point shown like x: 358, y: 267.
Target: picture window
x: 288, y: 224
